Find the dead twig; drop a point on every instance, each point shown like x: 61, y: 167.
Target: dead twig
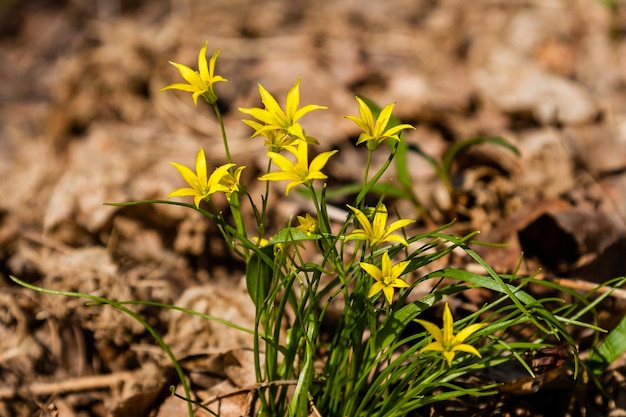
x: 37, y: 389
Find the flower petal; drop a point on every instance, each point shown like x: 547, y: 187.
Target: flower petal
x: 202, y: 64
x: 433, y: 330
x: 433, y: 346
x: 280, y: 161
x: 320, y: 160
x: 388, y: 291
x: 201, y: 167
x: 182, y: 192
x: 467, y: 331
x: 188, y: 74
x: 292, y: 101
x: 180, y: 86
x: 466, y: 348
x: 383, y: 119
x: 307, y: 109
x: 448, y: 324
x: 375, y: 289
x: 398, y: 224
x: 188, y: 175
x: 372, y: 270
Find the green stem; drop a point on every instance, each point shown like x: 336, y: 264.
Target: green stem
x: 369, y: 184
x: 367, y: 166
x: 224, y: 137
x: 234, y: 198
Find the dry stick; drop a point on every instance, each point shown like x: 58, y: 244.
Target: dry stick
x: 250, y: 388
x: 253, y: 390
x: 85, y: 383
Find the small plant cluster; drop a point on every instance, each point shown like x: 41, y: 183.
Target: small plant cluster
x: 375, y: 362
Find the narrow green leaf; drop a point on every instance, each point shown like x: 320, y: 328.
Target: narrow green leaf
x: 259, y: 275
x: 457, y: 147
x: 612, y: 348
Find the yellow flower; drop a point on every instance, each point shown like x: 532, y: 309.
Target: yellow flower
x: 387, y: 277
x: 307, y: 224
x: 299, y: 172
x: 374, y: 132
x: 230, y: 181
x: 274, y: 118
x: 445, y: 341
x: 275, y: 140
x: 260, y: 241
x: 201, y: 186
x: 201, y: 81
x: 376, y: 232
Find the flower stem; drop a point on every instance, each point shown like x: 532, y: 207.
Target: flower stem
x: 367, y: 166
x: 218, y: 113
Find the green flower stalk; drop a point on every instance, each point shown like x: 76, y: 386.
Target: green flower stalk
x: 200, y: 83
x: 446, y: 341
x: 273, y: 118
x: 377, y: 232
x: 299, y: 172
x: 387, y: 277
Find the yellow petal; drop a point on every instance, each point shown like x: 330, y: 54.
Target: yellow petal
x: 448, y: 331
x: 182, y: 192
x: 432, y: 346
x: 180, y: 86
x: 201, y: 166
x: 383, y: 119
x: 291, y: 185
x: 399, y: 224
x: 432, y: 329
x: 467, y: 331
x: 188, y: 74
x: 320, y: 161
x: 372, y: 270
x: 188, y: 175
x: 202, y: 64
x: 388, y: 291
x: 292, y: 101
x: 449, y: 357
x: 466, y: 348
x: 375, y: 289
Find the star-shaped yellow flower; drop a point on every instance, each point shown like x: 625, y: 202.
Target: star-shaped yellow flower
x: 446, y: 341
x: 201, y: 187
x: 387, y: 277
x: 377, y: 232
x: 201, y: 81
x: 374, y: 132
x: 274, y: 118
x: 275, y: 140
x: 308, y: 224
x: 230, y: 181
x: 299, y: 172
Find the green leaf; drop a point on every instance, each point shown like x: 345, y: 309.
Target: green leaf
x: 612, y: 348
x: 378, y: 189
x: 259, y: 274
x: 452, y: 152
x: 291, y: 234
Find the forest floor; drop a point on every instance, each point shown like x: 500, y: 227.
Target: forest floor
x: 82, y: 122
